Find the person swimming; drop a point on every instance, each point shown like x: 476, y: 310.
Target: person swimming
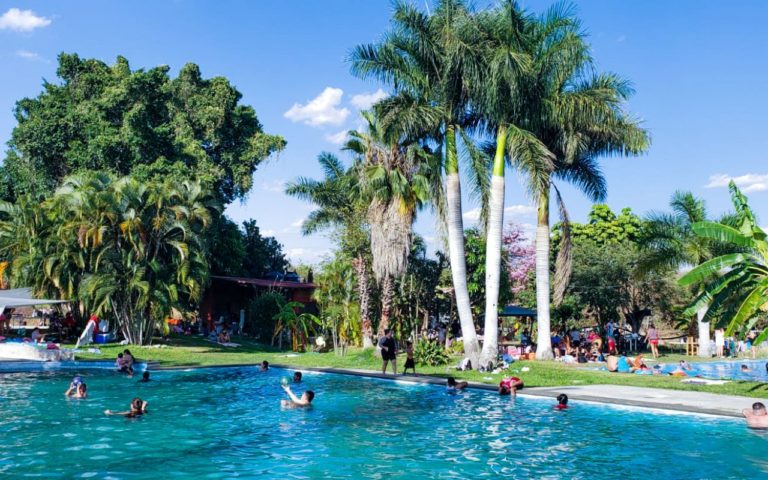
x: 510, y: 386
x: 79, y: 390
x: 264, y: 366
x: 744, y: 368
x: 297, y: 377
x: 757, y: 417
x: 294, y: 401
x: 144, y: 377
x: 451, y: 385
x: 138, y: 407
x: 562, y: 402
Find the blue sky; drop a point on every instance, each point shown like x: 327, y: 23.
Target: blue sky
x: 699, y: 68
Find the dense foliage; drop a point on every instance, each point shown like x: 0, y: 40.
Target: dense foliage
x: 138, y: 122
x: 121, y: 248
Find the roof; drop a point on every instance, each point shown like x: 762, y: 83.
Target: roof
x: 22, y: 297
x: 261, y: 282
x: 516, y: 311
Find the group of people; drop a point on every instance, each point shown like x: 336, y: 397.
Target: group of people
x: 508, y: 386
x: 388, y: 347
x: 124, y: 362
x: 730, y: 347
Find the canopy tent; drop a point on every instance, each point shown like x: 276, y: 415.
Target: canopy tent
x: 515, y: 311
x: 22, y: 297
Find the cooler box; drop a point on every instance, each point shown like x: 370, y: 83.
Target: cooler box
x: 102, y: 338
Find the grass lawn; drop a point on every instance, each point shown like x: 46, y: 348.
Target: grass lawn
x: 193, y: 352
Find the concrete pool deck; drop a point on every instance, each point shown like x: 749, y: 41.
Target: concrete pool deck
x: 655, y: 398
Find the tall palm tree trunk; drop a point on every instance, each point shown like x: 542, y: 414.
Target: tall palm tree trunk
x: 493, y: 254
x: 704, y: 343
x: 456, y: 247
x: 544, y: 343
x: 387, y: 295
x: 364, y: 293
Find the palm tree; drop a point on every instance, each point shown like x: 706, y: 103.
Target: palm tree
x: 337, y: 197
x: 670, y: 241
x: 396, y: 178
x: 121, y: 248
x: 426, y: 62
x: 578, y: 117
x: 739, y: 293
x: 298, y: 325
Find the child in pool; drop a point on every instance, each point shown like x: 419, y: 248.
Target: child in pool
x: 409, y: 361
x: 144, y: 377
x: 562, y: 402
x: 452, y: 385
x: 138, y: 407
x: 79, y: 390
x: 264, y: 366
x: 297, y: 377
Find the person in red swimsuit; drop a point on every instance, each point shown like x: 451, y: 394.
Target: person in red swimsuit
x: 562, y: 402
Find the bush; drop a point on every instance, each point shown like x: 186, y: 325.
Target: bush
x: 261, y: 313
x: 430, y: 353
x: 457, y: 347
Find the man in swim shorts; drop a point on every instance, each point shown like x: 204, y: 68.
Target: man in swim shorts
x: 388, y: 352
x: 757, y: 417
x: 304, y: 401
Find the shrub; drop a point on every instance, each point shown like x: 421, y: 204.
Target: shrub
x: 430, y: 353
x: 457, y: 347
x: 261, y: 312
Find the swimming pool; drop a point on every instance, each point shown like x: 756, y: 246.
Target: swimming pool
x: 225, y: 423
x: 731, y: 369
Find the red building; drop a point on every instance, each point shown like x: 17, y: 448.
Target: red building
x: 226, y: 296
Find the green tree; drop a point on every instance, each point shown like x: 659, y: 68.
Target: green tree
x: 139, y: 122
x: 397, y: 177
x: 670, y: 242
x: 340, y: 208
x: 121, y: 247
x: 426, y: 60
x: 736, y: 282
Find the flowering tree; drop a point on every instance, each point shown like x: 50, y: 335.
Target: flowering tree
x: 520, y: 257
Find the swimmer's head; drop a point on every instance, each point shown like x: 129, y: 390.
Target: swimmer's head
x: 136, y: 404
x: 451, y: 382
x: 297, y: 377
x: 504, y: 389
x: 758, y: 408
x: 81, y: 388
x: 145, y: 375
x: 744, y: 368
x: 127, y: 352
x: 562, y: 399
x: 265, y: 365
x: 309, y: 395
x: 119, y: 355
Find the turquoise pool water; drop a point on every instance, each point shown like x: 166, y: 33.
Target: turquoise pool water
x: 732, y: 369
x: 227, y: 423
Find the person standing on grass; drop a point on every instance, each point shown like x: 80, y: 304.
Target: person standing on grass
x: 409, y: 361
x: 653, y: 340
x: 388, y: 352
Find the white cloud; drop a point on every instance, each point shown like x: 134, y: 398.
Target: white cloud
x: 31, y: 56
x: 275, y: 186
x: 365, y: 100
x: 751, y: 182
x: 22, y: 20
x: 510, y: 212
x: 305, y: 255
x: 268, y: 233
x: 337, y: 138
x: 321, y: 110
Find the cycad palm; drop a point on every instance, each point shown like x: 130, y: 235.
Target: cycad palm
x: 426, y: 62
